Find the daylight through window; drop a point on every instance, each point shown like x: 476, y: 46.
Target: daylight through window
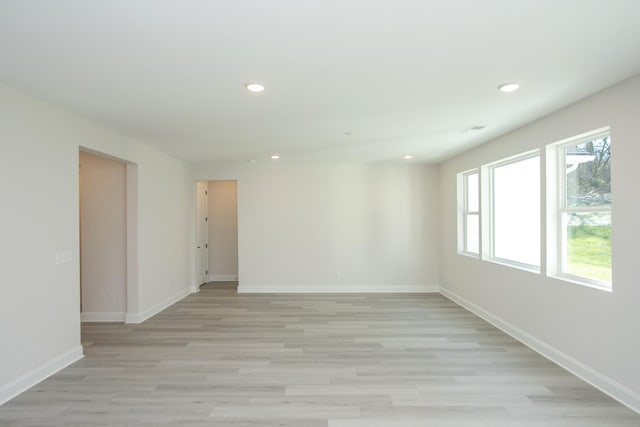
x: 472, y: 213
x: 515, y: 211
x: 499, y: 210
x: 584, y: 214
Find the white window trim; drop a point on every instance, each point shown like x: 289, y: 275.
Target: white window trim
x: 488, y: 250
x: 556, y: 207
x: 463, y: 212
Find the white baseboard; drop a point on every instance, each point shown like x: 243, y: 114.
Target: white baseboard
x: 603, y: 383
x: 102, y: 317
x: 33, y: 377
x: 157, y: 308
x: 223, y: 277
x: 334, y: 289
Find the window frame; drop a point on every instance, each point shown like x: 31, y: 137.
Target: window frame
x: 464, y: 212
x: 489, y: 249
x: 557, y: 186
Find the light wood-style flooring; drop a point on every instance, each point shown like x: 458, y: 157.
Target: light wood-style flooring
x: 352, y: 360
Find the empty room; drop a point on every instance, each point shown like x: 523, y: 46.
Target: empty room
x: 356, y: 213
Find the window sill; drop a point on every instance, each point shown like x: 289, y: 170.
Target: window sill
x: 516, y: 265
x: 606, y: 287
x: 470, y: 255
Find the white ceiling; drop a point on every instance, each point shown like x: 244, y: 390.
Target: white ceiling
x: 404, y: 77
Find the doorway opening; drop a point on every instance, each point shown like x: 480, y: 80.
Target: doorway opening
x: 108, y: 243
x: 217, y: 231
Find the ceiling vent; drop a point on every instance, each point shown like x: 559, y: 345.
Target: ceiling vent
x: 474, y: 128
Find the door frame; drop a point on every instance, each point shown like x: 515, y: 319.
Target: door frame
x: 202, y: 253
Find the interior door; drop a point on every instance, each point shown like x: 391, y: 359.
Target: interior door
x: 202, y: 252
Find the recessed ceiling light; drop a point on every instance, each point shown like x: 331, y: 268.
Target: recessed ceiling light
x: 508, y: 87
x: 254, y: 87
x: 274, y: 157
x: 407, y: 157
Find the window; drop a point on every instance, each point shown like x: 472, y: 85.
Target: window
x: 470, y: 213
x: 583, y: 209
x: 578, y: 210
x: 514, y: 206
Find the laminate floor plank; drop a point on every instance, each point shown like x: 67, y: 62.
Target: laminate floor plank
x: 218, y: 358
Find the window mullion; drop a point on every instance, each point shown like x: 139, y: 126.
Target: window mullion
x: 586, y: 209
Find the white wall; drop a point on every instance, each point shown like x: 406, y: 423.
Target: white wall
x: 103, y: 238
x: 39, y: 299
x: 315, y: 228
x: 223, y: 230
x: 595, y: 333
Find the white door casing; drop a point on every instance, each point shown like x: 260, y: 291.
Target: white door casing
x: 202, y: 253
